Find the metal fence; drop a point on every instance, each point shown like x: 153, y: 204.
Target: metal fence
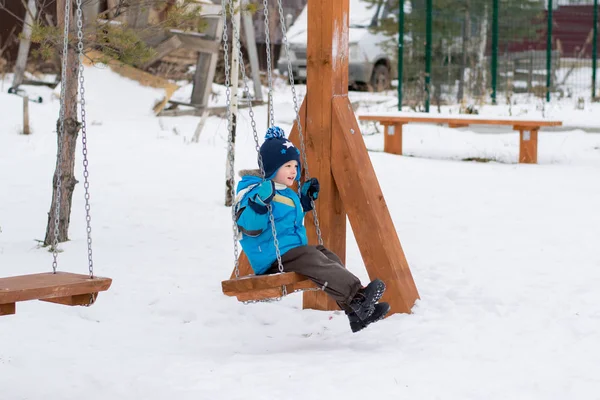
x: 496, y: 51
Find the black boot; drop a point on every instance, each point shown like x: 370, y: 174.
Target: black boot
x: 379, y: 311
x: 364, y: 302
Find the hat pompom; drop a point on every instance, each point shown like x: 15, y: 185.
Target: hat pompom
x: 275, y: 132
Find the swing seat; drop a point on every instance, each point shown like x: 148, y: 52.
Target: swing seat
x: 263, y: 287
x: 61, y: 288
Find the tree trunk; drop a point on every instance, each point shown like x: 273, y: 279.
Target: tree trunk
x: 66, y: 166
x: 465, y: 45
x: 481, y: 65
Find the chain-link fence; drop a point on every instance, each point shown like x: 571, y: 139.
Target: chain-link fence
x: 486, y: 51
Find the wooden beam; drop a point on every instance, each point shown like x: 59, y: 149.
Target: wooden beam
x: 257, y: 282
x: 273, y: 292
x: 206, y: 64
x: 163, y: 49
x: 367, y: 210
x: 327, y: 76
x: 198, y: 42
x: 77, y: 300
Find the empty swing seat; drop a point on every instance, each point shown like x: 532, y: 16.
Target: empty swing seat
x: 60, y: 287
x: 262, y: 287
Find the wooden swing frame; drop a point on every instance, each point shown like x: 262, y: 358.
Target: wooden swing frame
x: 349, y: 187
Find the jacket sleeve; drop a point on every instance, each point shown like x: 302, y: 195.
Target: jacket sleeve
x: 250, y: 221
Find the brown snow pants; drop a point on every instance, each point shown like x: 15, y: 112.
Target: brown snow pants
x: 322, y: 267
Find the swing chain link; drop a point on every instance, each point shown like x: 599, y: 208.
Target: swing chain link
x: 86, y: 184
x: 61, y: 130
x: 298, y: 124
x: 271, y: 121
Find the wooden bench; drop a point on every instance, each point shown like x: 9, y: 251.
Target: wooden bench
x: 393, y: 122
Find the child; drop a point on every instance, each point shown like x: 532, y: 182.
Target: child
x: 281, y: 162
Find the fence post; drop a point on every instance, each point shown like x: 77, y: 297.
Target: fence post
x: 549, y: 52
x: 595, y: 50
x: 494, y: 51
x: 400, y: 51
x: 428, y: 39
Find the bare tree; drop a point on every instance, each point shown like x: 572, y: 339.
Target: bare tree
x: 64, y: 174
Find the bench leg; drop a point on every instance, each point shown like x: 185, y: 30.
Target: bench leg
x: 528, y: 146
x: 392, y: 142
x: 8, y: 309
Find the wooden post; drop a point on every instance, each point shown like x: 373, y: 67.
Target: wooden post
x: 392, y: 141
x: 207, y: 62
x: 327, y: 76
x: 528, y: 144
x: 26, y: 130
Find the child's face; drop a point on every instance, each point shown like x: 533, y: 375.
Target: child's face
x: 286, y: 174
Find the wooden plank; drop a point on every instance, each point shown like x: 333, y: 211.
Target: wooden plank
x: 367, y: 210
x: 256, y: 282
x: 206, y: 64
x: 197, y: 42
x: 49, y: 285
x: 78, y: 300
x: 327, y: 76
x: 455, y: 120
x: 164, y: 48
x: 528, y: 146
x: 8, y: 309
x: 264, y: 294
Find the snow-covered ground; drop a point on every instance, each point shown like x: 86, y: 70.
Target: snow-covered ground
x: 505, y: 257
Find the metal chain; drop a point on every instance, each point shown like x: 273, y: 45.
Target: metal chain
x: 230, y: 135
x: 236, y: 36
x: 86, y: 184
x: 271, y: 121
x: 61, y: 130
x: 298, y: 124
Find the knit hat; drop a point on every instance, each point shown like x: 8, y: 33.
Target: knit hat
x: 276, y: 151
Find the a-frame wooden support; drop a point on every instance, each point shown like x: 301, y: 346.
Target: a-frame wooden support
x: 338, y: 157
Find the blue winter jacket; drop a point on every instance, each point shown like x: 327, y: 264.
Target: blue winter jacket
x: 255, y: 228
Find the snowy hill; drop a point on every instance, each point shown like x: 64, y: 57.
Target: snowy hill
x: 505, y: 257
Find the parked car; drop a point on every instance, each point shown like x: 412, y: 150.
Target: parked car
x: 369, y: 64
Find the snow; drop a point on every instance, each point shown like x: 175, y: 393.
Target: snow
x: 504, y: 255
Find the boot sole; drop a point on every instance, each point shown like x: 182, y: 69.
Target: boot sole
x: 382, y: 316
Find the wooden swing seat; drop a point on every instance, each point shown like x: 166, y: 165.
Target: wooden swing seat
x: 263, y: 287
x: 61, y: 288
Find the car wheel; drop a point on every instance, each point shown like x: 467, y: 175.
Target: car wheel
x: 380, y: 79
